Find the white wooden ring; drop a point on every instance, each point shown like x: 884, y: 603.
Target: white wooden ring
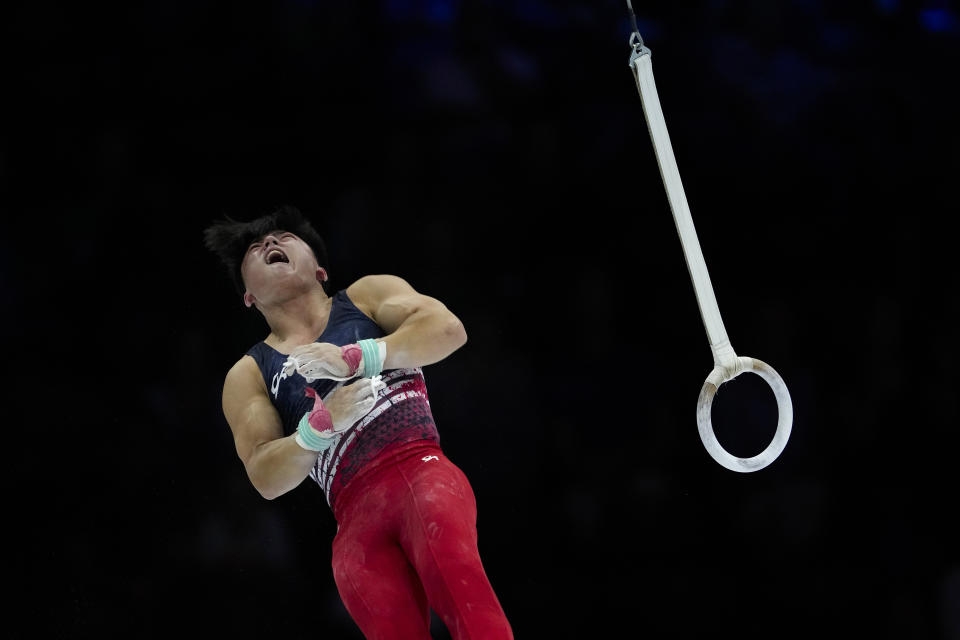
x: 784, y: 421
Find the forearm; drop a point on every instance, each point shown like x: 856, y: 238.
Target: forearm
x: 425, y: 337
x: 278, y: 466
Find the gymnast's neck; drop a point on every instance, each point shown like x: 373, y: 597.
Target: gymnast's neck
x: 296, y: 320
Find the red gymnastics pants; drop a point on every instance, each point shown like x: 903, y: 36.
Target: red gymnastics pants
x: 406, y: 542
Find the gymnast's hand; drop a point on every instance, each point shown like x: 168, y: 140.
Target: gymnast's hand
x: 323, y: 361
x: 318, y: 428
x: 349, y: 403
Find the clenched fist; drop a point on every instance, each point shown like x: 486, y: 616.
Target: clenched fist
x: 347, y: 404
x: 322, y: 360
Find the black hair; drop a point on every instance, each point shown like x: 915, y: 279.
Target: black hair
x: 229, y: 239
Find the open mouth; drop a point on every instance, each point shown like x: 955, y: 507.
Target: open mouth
x: 276, y: 255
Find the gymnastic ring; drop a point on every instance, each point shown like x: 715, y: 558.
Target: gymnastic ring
x: 784, y: 421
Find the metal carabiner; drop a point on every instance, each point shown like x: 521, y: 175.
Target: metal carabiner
x: 636, y: 40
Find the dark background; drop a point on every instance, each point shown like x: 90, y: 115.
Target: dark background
x: 494, y: 154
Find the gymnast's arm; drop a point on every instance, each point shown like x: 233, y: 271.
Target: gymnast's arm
x: 275, y: 464
x: 420, y: 329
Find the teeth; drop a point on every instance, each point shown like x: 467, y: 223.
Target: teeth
x: 276, y: 256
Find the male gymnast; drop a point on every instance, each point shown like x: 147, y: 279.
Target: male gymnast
x: 336, y: 392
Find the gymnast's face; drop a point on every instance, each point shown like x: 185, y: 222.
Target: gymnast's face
x: 278, y: 266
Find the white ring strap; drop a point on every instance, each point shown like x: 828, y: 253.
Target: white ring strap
x: 726, y: 363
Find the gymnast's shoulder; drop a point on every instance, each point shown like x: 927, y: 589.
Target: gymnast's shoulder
x: 370, y: 292
x: 390, y: 300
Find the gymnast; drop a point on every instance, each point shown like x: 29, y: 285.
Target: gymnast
x: 336, y: 392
